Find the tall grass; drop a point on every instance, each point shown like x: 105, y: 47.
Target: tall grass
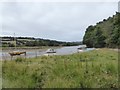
x: 93, y: 69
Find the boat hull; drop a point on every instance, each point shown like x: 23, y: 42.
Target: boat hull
x: 16, y: 53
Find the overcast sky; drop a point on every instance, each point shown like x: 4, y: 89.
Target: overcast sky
x: 57, y: 21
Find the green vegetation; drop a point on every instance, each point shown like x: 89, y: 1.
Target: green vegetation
x: 93, y: 69
x: 104, y: 34
x: 30, y: 42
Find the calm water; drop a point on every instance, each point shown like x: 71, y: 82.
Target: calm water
x: 34, y: 53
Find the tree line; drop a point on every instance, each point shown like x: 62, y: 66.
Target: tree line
x: 104, y: 34
x: 31, y: 41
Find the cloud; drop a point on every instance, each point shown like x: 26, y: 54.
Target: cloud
x: 59, y: 21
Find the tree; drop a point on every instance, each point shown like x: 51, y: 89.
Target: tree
x: 88, y: 37
x: 104, y: 34
x: 99, y: 39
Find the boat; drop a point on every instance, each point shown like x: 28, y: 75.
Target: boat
x: 16, y: 52
x: 82, y: 48
x: 50, y: 51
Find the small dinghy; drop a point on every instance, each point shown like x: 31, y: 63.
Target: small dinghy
x: 50, y: 51
x: 82, y: 48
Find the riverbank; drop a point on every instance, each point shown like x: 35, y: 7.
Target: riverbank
x: 93, y: 69
x: 28, y: 48
x: 40, y: 52
x: 30, y: 51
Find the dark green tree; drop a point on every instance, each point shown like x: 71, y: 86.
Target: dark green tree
x: 98, y: 38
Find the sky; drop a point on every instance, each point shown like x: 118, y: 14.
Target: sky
x: 62, y: 21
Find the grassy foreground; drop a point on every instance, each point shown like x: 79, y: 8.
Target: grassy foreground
x: 93, y: 69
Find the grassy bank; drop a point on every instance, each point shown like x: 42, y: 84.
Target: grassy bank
x: 93, y: 69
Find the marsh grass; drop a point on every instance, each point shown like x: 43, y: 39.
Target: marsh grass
x: 93, y: 69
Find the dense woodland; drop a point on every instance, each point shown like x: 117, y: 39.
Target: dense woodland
x: 104, y: 34
x: 31, y: 41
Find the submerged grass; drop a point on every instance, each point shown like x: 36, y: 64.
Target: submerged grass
x: 93, y: 69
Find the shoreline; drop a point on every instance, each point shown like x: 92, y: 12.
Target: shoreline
x: 32, y: 53
x: 29, y: 48
x: 35, y: 52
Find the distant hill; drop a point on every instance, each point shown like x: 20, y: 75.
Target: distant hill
x: 31, y: 41
x: 104, y: 34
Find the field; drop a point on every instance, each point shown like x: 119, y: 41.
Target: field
x: 93, y: 69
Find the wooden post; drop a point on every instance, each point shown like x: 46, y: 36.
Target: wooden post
x: 92, y: 64
x: 78, y: 64
x: 36, y: 54
x: 25, y: 55
x: 86, y: 67
x: 100, y: 68
x: 65, y: 65
x: 81, y: 64
x: 11, y: 57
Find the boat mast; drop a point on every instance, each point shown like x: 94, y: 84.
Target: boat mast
x: 15, y: 41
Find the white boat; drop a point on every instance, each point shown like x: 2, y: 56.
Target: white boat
x: 50, y: 51
x: 82, y: 48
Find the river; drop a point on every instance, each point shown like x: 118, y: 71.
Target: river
x: 34, y: 53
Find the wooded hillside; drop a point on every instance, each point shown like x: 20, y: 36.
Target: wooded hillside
x: 104, y: 34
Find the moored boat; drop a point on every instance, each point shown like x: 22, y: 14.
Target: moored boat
x: 50, y: 51
x: 82, y: 48
x: 17, y: 53
x: 14, y: 53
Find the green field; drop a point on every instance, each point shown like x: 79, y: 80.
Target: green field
x: 93, y: 69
